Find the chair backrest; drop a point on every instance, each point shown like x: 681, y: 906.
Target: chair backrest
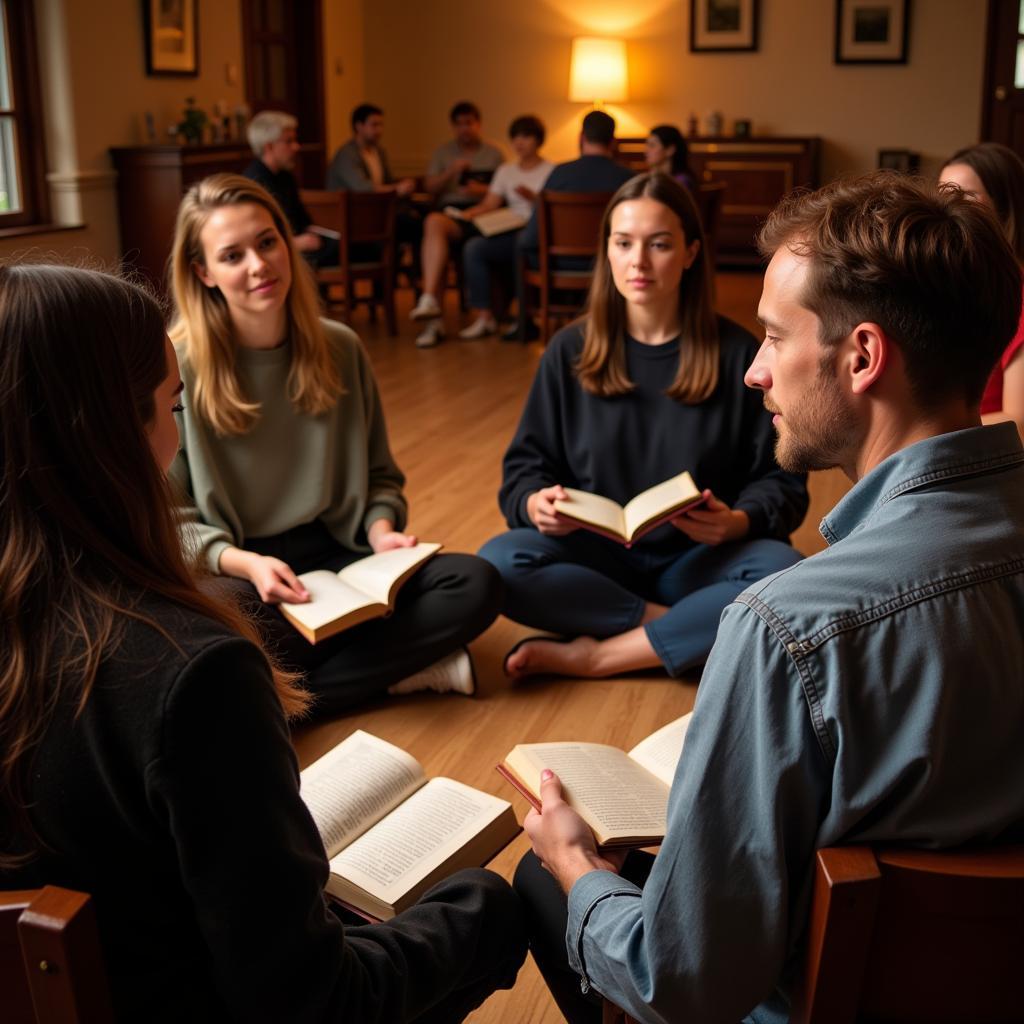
x: 569, y: 223
x: 709, y: 196
x: 51, y: 970
x: 899, y: 936
x: 356, y: 216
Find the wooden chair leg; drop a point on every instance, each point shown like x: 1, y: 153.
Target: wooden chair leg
x: 389, y: 305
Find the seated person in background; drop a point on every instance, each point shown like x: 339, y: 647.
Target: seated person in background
x: 648, y: 385
x: 595, y: 170
x: 870, y: 694
x: 458, y: 175
x: 490, y: 261
x: 147, y: 759
x: 285, y: 457
x: 666, y: 151
x: 273, y: 140
x: 361, y: 165
x: 994, y: 175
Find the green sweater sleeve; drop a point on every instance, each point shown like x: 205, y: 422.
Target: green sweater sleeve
x: 205, y: 541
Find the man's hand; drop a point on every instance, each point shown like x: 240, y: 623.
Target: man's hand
x: 540, y: 507
x: 713, y: 522
x: 406, y: 186
x: 562, y: 840
x: 383, y: 536
x: 308, y: 241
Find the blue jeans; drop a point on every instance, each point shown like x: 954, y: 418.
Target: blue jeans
x: 585, y: 585
x: 486, y: 261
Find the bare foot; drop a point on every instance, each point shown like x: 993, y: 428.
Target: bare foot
x: 553, y: 657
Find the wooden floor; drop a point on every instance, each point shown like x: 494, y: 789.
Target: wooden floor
x: 451, y: 411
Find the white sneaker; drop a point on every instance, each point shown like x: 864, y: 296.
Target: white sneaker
x: 430, y: 335
x: 481, y: 327
x: 426, y: 309
x: 453, y: 674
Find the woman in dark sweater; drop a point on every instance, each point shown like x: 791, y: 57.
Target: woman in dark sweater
x: 649, y: 384
x: 144, y: 751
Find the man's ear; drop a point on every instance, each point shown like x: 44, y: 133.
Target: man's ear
x: 867, y: 354
x: 203, y: 274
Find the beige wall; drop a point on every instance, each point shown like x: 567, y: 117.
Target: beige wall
x: 514, y: 57
x: 95, y: 94
x: 344, y: 82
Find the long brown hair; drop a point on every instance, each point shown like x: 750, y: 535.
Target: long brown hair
x: 86, y: 518
x: 203, y: 324
x: 601, y: 367
x: 1002, y: 173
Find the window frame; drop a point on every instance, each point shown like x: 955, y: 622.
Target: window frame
x: 27, y: 115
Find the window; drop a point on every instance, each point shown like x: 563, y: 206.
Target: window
x: 22, y: 160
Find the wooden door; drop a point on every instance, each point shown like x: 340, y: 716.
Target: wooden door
x: 281, y: 40
x: 1002, y: 112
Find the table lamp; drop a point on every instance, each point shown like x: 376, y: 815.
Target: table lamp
x: 598, y: 71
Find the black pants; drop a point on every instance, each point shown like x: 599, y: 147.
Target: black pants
x: 440, y: 959
x: 546, y: 918
x: 447, y: 603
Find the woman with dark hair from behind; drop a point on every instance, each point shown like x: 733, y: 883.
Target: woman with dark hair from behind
x: 994, y: 175
x: 648, y: 384
x: 144, y: 748
x: 666, y: 151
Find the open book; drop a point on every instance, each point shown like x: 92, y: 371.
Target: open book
x: 494, y: 222
x: 626, y: 524
x: 389, y: 833
x: 622, y: 797
x: 363, y: 590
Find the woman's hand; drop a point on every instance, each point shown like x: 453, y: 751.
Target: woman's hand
x: 272, y: 578
x: 383, y: 536
x: 540, y: 507
x: 713, y: 522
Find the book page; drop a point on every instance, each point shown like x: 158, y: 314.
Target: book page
x: 497, y: 222
x: 656, y: 501
x: 615, y: 796
x: 354, y: 785
x: 659, y: 753
x: 376, y: 575
x: 592, y: 508
x: 330, y: 598
x: 431, y: 826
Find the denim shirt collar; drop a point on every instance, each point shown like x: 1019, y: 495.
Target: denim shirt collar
x: 942, y: 457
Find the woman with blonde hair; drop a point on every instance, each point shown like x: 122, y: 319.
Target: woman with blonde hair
x: 993, y: 174
x: 648, y: 384
x: 145, y: 756
x: 286, y: 461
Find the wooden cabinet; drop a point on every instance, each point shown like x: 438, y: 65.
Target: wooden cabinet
x: 758, y: 173
x: 150, y: 183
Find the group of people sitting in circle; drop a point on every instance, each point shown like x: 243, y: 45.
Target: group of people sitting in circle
x: 466, y: 177
x: 161, y: 495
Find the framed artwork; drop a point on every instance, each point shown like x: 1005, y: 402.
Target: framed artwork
x: 172, y: 36
x: 872, y: 31
x: 903, y: 160
x: 723, y: 25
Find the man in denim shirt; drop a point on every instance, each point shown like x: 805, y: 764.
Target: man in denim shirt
x: 871, y: 693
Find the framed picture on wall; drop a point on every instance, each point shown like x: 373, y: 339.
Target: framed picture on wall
x: 723, y: 25
x: 171, y: 28
x: 872, y: 31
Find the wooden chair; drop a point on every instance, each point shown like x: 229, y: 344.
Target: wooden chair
x: 568, y: 224
x: 899, y: 936
x: 51, y: 970
x: 365, y: 219
x: 709, y: 197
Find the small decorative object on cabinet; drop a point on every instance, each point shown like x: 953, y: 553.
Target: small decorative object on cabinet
x: 899, y: 160
x: 723, y: 25
x: 872, y: 31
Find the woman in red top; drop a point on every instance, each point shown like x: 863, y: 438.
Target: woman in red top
x: 994, y: 175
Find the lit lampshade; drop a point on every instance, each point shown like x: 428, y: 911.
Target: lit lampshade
x: 598, y: 71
